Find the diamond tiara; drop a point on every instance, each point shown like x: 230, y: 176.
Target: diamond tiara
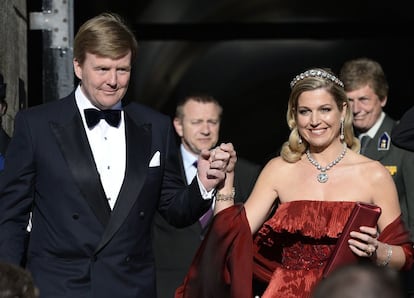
x: 316, y: 73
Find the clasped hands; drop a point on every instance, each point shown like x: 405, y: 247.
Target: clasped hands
x: 215, y: 164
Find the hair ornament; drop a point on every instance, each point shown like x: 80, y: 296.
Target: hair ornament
x: 316, y: 73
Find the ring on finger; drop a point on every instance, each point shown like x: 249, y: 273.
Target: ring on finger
x: 370, y: 250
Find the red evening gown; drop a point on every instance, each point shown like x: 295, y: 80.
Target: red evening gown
x: 288, y: 253
x: 298, y: 241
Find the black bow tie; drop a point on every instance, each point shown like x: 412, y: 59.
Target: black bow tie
x: 93, y: 116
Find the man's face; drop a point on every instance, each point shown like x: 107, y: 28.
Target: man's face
x: 199, y: 128
x: 366, y: 107
x: 104, y: 81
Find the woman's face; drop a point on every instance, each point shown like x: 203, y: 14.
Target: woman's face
x: 318, y: 117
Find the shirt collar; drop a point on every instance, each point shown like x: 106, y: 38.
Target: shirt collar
x: 374, y: 129
x: 188, y: 157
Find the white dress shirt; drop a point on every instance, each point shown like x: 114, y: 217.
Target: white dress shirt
x: 108, y: 148
x: 191, y: 172
x: 188, y: 162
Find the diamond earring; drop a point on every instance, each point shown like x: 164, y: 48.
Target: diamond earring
x: 342, y: 136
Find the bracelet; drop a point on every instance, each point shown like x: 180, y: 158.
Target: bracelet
x: 388, y: 258
x: 229, y: 197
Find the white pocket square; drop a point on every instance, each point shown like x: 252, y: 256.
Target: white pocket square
x: 155, y: 160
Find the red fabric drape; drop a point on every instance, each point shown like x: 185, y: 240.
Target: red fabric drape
x: 396, y: 234
x: 222, y: 267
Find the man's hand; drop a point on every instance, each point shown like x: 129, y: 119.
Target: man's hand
x: 213, y: 165
x: 228, y: 147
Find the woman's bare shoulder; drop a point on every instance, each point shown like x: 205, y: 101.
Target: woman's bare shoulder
x: 278, y: 163
x: 369, y: 167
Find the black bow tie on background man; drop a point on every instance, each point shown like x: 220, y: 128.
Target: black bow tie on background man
x: 93, y: 116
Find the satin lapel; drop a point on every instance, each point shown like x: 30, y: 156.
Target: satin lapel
x: 138, y: 146
x: 196, y: 227
x: 74, y: 144
x: 180, y: 158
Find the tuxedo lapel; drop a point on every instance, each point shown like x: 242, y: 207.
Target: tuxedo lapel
x: 138, y: 145
x: 75, y: 147
x: 196, y: 227
x: 182, y: 169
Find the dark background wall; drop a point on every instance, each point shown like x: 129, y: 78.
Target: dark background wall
x: 246, y: 52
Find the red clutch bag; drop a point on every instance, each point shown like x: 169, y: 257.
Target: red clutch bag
x: 363, y: 214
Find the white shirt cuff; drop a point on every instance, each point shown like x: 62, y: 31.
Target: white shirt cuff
x: 207, y: 195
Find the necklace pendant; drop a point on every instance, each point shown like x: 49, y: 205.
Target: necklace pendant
x: 322, y: 177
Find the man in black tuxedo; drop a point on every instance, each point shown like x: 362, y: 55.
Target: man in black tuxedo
x: 197, y: 123
x: 93, y: 172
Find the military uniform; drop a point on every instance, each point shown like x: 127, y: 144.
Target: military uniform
x: 400, y: 164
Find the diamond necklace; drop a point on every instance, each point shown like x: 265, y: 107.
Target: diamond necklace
x: 323, y: 176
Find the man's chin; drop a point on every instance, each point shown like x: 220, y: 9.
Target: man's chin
x: 359, y: 125
x: 359, y: 130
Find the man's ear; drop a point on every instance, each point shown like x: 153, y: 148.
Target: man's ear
x: 77, y: 68
x: 344, y: 108
x: 384, y: 101
x: 178, y: 125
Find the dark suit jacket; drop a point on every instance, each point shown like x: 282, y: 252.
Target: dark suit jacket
x: 400, y: 163
x: 78, y: 247
x: 4, y: 141
x: 403, y: 134
x: 1, y: 162
x: 174, y: 248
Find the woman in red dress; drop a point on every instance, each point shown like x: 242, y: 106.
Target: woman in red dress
x: 299, y: 206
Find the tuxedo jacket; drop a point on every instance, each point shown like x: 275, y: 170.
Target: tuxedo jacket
x: 400, y: 164
x: 78, y: 247
x: 174, y: 248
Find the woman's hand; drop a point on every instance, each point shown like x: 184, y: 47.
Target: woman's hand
x: 364, y: 243
x: 225, y: 191
x: 228, y: 147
